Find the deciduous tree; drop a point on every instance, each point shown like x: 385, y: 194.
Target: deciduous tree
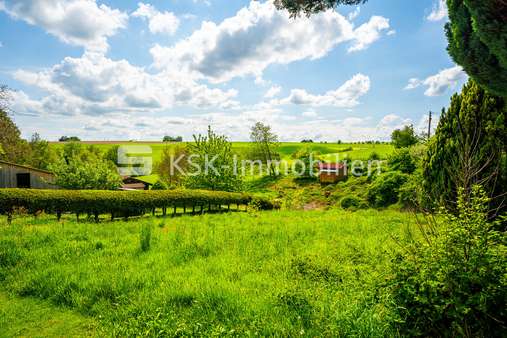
x: 15, y: 149
x: 82, y: 168
x: 41, y: 154
x: 404, y: 137
x: 173, y: 165
x: 308, y: 7
x: 265, y: 144
x: 213, y: 164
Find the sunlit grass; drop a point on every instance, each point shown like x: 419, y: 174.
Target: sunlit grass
x: 270, y: 273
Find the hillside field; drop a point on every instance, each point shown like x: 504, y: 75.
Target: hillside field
x: 282, y: 273
x: 327, y: 151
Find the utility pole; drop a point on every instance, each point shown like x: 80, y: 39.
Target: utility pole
x: 429, y: 126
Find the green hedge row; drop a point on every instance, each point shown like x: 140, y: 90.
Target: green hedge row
x: 118, y: 202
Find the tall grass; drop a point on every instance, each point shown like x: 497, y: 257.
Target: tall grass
x: 270, y: 273
x: 145, y: 237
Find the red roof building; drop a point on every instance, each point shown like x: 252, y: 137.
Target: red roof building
x: 332, y: 172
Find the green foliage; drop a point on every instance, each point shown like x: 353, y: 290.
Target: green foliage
x: 213, y: 164
x: 79, y: 175
x: 305, y: 162
x: 402, y: 160
x: 385, y: 189
x: 451, y: 282
x: 111, y: 154
x: 265, y: 143
x: 69, y: 139
x: 145, y: 237
x: 41, y: 154
x: 307, y: 7
x: 405, y: 137
x: 15, y: 149
x: 477, y: 33
x: 172, y: 139
x: 411, y: 194
x: 468, y: 147
x: 352, y: 202
x: 173, y: 165
x: 160, y: 185
x: 374, y: 156
x: 116, y: 202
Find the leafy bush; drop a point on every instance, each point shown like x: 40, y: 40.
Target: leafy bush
x: 402, y: 160
x: 453, y: 282
x: 352, y: 202
x: 384, y: 190
x: 410, y: 194
x: 115, y: 202
x: 159, y: 185
x: 305, y: 164
x: 374, y: 156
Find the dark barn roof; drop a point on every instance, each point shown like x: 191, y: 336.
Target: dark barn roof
x: 25, y: 167
x: 331, y: 166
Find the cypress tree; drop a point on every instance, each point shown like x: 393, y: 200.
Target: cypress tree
x: 477, y: 35
x: 469, y: 147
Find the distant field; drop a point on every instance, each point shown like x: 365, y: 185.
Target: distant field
x: 326, y: 151
x: 285, y: 273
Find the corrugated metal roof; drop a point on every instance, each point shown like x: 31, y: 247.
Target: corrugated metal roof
x: 25, y: 167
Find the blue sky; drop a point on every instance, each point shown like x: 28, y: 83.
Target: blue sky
x: 109, y: 70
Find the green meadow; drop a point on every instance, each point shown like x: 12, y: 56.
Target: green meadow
x: 281, y: 273
x: 326, y: 151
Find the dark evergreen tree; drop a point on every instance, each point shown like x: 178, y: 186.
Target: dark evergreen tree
x: 469, y: 147
x: 477, y: 34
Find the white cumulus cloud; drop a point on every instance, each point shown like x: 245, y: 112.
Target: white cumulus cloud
x: 96, y: 85
x: 438, y: 84
x: 439, y: 11
x: 273, y: 91
x: 77, y: 22
x: 260, y: 35
x: 159, y: 22
x: 346, y: 96
x: 368, y: 33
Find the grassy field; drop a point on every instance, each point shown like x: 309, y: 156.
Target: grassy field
x: 270, y: 273
x: 327, y: 151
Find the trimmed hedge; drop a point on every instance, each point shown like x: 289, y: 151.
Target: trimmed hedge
x: 118, y: 203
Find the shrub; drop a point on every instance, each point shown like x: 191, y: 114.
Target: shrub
x: 384, y: 190
x: 352, y: 202
x: 159, y: 185
x: 453, y: 282
x: 408, y: 195
x: 374, y: 156
x: 115, y: 202
x: 403, y: 161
